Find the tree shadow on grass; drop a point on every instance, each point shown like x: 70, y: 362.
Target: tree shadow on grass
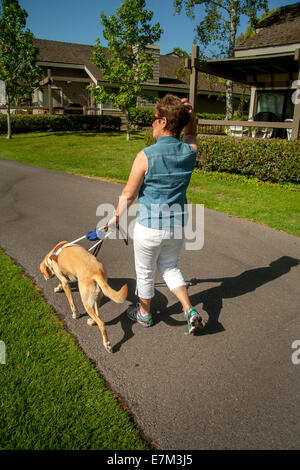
x: 90, y: 133
x: 135, y: 135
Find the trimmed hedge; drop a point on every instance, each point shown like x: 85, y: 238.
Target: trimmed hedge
x: 71, y: 122
x: 219, y: 117
x: 275, y: 160
x: 141, y: 117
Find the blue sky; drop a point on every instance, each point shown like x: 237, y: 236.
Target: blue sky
x: 78, y: 21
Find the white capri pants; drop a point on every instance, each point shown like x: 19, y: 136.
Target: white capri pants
x: 155, y: 248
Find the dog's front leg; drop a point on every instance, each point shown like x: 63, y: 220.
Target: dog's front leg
x: 63, y: 282
x: 59, y: 288
x: 66, y: 288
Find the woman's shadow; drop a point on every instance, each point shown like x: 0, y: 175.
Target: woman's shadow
x: 211, y: 299
x: 230, y: 287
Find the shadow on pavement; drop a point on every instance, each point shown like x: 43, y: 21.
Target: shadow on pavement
x: 230, y: 287
x: 211, y: 299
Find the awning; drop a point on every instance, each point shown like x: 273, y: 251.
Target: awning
x: 247, y: 69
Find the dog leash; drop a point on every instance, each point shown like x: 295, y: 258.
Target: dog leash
x: 97, y: 245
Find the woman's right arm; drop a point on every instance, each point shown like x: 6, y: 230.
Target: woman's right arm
x: 190, y: 130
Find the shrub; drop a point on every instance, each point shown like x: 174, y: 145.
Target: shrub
x: 141, y: 117
x: 215, y: 129
x: 45, y: 122
x: 148, y: 138
x: 219, y: 117
x: 275, y: 160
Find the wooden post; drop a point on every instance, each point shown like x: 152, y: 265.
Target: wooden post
x: 253, y: 101
x: 92, y: 101
x: 194, y: 78
x: 50, y: 92
x: 296, y: 95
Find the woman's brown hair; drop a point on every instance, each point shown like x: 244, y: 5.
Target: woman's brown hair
x: 177, y: 115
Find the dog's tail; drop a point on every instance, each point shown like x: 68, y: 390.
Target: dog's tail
x: 117, y: 296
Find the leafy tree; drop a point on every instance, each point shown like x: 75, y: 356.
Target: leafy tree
x: 18, y: 55
x: 181, y: 73
x: 219, y: 27
x: 126, y: 63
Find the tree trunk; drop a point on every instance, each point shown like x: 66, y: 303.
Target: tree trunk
x: 229, y: 85
x: 126, y: 112
x: 229, y: 104
x: 8, y: 119
x: 128, y: 132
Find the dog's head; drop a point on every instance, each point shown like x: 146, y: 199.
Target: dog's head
x: 46, y: 270
x: 46, y: 266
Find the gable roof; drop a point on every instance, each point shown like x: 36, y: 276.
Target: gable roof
x: 66, y: 53
x: 280, y: 28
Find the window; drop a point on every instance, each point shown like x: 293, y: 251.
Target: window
x: 276, y: 102
x: 57, y: 100
x: 108, y: 106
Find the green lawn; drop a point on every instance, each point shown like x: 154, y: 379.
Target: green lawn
x: 270, y: 204
x: 111, y: 156
x: 105, y: 155
x: 51, y: 396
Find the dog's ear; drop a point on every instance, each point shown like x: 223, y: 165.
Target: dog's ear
x: 46, y: 272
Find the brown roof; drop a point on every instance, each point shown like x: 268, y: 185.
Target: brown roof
x: 169, y: 64
x: 67, y: 53
x: 81, y: 54
x: 280, y: 28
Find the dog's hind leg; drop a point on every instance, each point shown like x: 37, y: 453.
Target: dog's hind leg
x: 89, y: 300
x: 96, y: 307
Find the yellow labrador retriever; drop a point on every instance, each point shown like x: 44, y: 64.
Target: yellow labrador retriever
x: 75, y: 263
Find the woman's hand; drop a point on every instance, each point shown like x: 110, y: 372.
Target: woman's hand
x: 186, y: 103
x: 190, y: 130
x: 113, y: 223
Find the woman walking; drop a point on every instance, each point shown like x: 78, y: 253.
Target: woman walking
x: 160, y: 176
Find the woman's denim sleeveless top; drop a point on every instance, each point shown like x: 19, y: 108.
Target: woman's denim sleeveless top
x: 162, y: 197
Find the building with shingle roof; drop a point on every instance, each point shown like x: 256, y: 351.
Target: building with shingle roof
x: 69, y: 69
x: 281, y: 30
x: 68, y: 54
x: 269, y: 63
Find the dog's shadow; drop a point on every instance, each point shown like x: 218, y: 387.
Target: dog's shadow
x: 159, y: 302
